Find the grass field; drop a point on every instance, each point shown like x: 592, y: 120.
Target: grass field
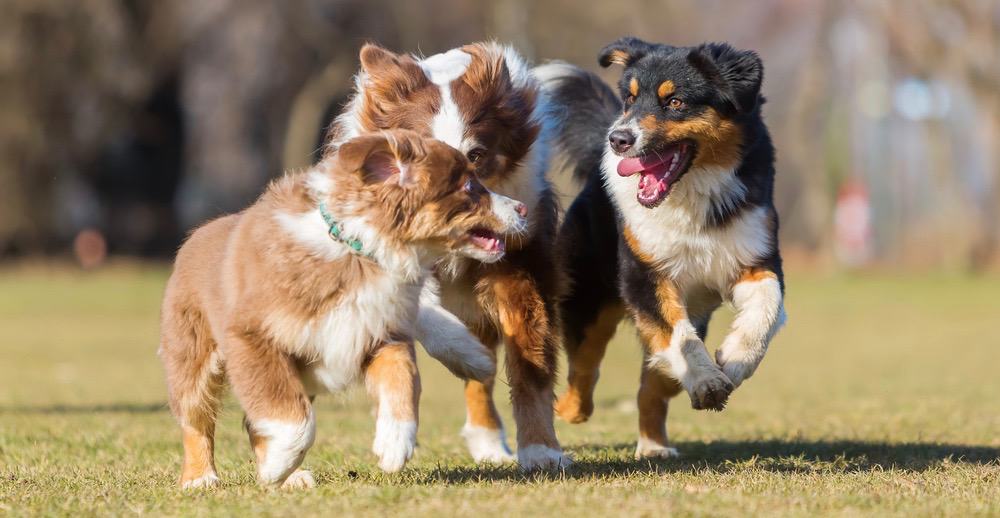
x: 880, y: 397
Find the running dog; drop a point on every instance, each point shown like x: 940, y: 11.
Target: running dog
x: 315, y: 286
x: 483, y: 100
x: 676, y: 217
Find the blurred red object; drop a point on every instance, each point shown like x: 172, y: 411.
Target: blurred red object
x: 852, y: 224
x: 90, y: 248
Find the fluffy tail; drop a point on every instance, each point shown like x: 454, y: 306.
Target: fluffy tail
x: 582, y: 107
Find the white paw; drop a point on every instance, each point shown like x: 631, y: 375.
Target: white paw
x: 394, y: 443
x: 287, y: 444
x: 299, y: 479
x: 487, y: 445
x: 735, y: 361
x: 709, y: 389
x: 539, y: 456
x: 205, y: 481
x: 647, y: 449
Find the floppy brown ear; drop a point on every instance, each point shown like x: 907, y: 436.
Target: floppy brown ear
x: 623, y: 51
x: 375, y: 158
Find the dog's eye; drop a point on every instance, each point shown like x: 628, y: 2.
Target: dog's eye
x: 675, y: 103
x: 475, y: 155
x: 630, y: 100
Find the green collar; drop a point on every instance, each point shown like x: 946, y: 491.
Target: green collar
x: 336, y: 233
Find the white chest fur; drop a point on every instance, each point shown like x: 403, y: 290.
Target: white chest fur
x: 337, y: 343
x: 676, y: 236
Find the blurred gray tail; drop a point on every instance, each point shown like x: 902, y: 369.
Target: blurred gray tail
x: 581, y: 108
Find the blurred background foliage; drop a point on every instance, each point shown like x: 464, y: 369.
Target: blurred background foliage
x: 123, y: 123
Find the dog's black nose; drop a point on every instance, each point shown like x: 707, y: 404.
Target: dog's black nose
x: 621, y: 140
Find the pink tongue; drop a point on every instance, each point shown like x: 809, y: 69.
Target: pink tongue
x: 630, y: 166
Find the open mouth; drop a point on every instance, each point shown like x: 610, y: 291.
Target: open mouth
x: 486, y: 240
x: 660, y: 171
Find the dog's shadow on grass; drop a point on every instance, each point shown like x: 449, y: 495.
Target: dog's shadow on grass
x: 61, y: 409
x: 616, y: 461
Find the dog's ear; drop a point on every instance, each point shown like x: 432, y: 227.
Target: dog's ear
x: 389, y: 76
x: 623, y: 51
x: 487, y: 77
x: 737, y: 73
x: 375, y: 58
x: 379, y: 158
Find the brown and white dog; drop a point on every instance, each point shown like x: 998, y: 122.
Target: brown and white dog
x: 482, y: 100
x: 315, y: 286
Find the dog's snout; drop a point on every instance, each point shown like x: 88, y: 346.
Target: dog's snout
x: 513, y: 215
x: 621, y: 140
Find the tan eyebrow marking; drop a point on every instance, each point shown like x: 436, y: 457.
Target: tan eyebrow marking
x: 633, y: 86
x: 666, y: 88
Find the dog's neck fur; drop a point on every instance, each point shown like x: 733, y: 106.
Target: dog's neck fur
x: 308, y: 228
x: 673, y: 234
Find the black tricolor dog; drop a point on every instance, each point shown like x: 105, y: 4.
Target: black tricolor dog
x: 676, y: 217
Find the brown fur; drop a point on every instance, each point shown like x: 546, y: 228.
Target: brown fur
x: 498, y: 114
x: 755, y: 273
x: 396, y: 79
x: 515, y: 298
x: 719, y: 140
x: 482, y: 410
x: 655, y: 392
x: 243, y: 288
x: 577, y: 404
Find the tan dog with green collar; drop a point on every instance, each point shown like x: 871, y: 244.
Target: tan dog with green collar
x: 316, y: 286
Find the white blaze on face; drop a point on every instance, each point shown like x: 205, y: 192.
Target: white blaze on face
x: 448, y: 125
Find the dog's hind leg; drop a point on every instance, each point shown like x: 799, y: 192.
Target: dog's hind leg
x: 195, y: 380
x: 483, y: 430
x: 592, y: 307
x: 393, y: 381
x: 655, y: 391
x: 585, y: 347
x: 529, y: 326
x: 279, y: 415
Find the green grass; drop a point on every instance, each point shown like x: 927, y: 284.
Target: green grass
x: 879, y: 397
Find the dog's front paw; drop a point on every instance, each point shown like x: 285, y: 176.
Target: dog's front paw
x: 736, y: 362
x: 208, y: 480
x: 394, y: 444
x: 299, y: 479
x: 710, y: 390
x: 487, y: 445
x: 648, y: 449
x: 394, y: 456
x: 539, y: 456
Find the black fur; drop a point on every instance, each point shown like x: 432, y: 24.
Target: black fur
x: 602, y: 268
x: 584, y: 128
